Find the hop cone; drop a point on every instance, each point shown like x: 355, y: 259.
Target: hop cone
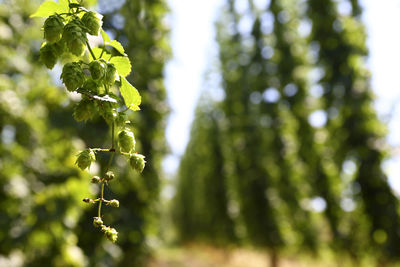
x: 53, y: 29
x: 126, y: 141
x: 84, y: 110
x: 73, y: 76
x: 48, y: 55
x: 92, y: 22
x: 85, y: 159
x: 137, y: 162
x: 110, y: 75
x: 97, y: 69
x: 75, y: 37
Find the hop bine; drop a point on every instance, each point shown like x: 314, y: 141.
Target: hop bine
x: 95, y: 77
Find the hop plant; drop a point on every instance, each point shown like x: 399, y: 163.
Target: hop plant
x: 53, y: 28
x: 48, y: 55
x: 92, y: 22
x: 126, y: 141
x: 91, y: 86
x: 73, y: 76
x: 111, y: 74
x: 96, y: 180
x: 85, y: 159
x: 109, y: 113
x: 75, y: 37
x: 97, y: 69
x: 65, y: 31
x: 110, y: 233
x: 114, y: 203
x: 84, y: 110
x: 137, y: 162
x: 97, y: 222
x: 109, y: 176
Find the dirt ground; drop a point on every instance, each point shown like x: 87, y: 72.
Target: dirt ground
x: 201, y: 256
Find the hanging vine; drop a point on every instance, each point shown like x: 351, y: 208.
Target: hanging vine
x: 99, y: 76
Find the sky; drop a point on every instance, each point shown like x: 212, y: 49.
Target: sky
x: 193, y: 45
x: 381, y: 19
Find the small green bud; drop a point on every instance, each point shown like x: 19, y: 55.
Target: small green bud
x: 137, y: 162
x: 48, y: 55
x: 73, y: 76
x: 111, y: 74
x: 111, y: 234
x: 97, y: 222
x: 114, y: 203
x: 75, y: 37
x: 109, y: 176
x: 84, y: 110
x: 97, y: 69
x: 96, y: 180
x: 126, y: 141
x: 92, y: 22
x: 85, y: 159
x: 53, y: 28
x: 86, y: 200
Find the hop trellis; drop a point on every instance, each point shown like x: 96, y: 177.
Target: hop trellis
x: 99, y: 76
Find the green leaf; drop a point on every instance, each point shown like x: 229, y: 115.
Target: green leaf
x: 64, y: 4
x: 97, y: 52
x: 106, y: 38
x: 130, y: 94
x: 122, y: 64
x: 117, y: 46
x: 48, y: 8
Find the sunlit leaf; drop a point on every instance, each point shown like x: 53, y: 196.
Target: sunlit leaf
x: 64, y: 4
x: 130, y: 94
x: 97, y: 52
x: 106, y: 38
x: 117, y: 46
x: 49, y: 7
x: 122, y: 64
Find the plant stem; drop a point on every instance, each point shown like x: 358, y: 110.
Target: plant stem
x: 90, y: 50
x: 101, y: 200
x: 127, y: 108
x: 107, y: 168
x: 104, y: 149
x: 102, y: 51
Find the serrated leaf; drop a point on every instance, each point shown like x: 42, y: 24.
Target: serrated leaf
x: 97, y: 52
x: 106, y: 38
x: 130, y: 94
x: 48, y: 8
x: 117, y: 46
x: 122, y: 64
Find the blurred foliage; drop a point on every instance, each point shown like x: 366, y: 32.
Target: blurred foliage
x: 40, y: 188
x: 203, y: 164
x: 45, y: 222
x: 300, y: 146
x: 353, y: 124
